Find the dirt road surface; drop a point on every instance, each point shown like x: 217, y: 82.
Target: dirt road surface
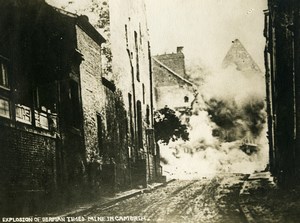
x: 207, y: 199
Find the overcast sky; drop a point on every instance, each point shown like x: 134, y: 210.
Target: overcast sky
x: 206, y: 27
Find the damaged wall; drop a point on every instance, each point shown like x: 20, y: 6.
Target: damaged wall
x: 170, y: 82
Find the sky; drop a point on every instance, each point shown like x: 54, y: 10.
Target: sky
x: 206, y: 28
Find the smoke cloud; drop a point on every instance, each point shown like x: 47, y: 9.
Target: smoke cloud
x: 230, y: 110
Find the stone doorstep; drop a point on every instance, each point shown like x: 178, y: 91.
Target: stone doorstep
x: 257, y: 181
x: 108, y: 201
x: 260, y: 175
x: 247, y: 213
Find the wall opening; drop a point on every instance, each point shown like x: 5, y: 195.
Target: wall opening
x: 186, y: 99
x: 137, y: 56
x: 100, y: 135
x: 75, y: 106
x: 139, y: 124
x: 3, y: 75
x: 143, y: 86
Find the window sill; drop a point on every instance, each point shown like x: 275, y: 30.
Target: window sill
x: 27, y: 128
x: 4, y: 88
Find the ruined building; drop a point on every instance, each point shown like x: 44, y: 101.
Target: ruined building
x: 282, y: 26
x: 68, y: 129
x: 172, y: 87
x: 238, y: 56
x: 249, y: 108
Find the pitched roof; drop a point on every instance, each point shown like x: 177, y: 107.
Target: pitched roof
x: 239, y: 56
x: 172, y: 72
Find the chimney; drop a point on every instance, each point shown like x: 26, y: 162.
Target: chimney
x: 179, y: 49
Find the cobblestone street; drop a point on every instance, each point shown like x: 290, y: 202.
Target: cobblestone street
x: 210, y: 199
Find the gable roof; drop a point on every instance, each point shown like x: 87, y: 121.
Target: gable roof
x: 239, y: 56
x: 172, y: 72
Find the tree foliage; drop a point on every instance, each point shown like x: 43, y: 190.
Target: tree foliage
x: 168, y: 126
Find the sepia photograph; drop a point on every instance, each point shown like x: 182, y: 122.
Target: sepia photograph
x: 169, y: 111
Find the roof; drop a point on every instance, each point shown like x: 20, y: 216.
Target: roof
x: 83, y: 22
x: 172, y: 72
x: 239, y: 56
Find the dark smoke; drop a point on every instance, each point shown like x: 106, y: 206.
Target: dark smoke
x: 236, y: 122
x: 229, y: 110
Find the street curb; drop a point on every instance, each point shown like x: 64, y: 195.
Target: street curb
x: 114, y: 201
x: 243, y: 207
x: 247, y: 213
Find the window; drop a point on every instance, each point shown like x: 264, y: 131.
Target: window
x: 4, y: 108
x: 140, y: 29
x: 75, y: 106
x: 3, y: 75
x: 100, y: 135
x: 186, y: 99
x: 143, y: 86
x: 131, y: 117
x: 45, y: 96
x: 137, y: 56
x: 139, y: 124
x: 148, y: 115
x: 126, y: 35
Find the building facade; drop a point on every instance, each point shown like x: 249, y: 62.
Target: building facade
x: 132, y: 73
x: 68, y: 129
x: 282, y: 83
x: 43, y: 143
x: 171, y: 82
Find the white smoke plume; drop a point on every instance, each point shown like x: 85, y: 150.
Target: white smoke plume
x: 230, y: 108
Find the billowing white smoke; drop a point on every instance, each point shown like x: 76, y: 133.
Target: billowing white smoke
x: 231, y: 103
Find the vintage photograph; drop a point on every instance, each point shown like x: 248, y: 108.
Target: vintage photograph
x: 171, y: 111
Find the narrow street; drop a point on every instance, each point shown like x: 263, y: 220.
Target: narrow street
x: 210, y: 199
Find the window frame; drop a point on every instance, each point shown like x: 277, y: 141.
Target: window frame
x: 4, y: 76
x: 9, y: 109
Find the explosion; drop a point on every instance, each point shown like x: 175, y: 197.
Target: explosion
x: 230, y: 109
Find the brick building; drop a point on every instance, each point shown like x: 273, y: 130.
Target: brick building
x: 172, y: 87
x: 68, y: 125
x: 44, y: 60
x: 282, y: 26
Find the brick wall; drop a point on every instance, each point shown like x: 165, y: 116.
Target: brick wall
x: 163, y: 77
x: 175, y: 61
x: 27, y: 168
x: 167, y: 86
x: 27, y: 160
x: 102, y: 100
x: 93, y: 96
